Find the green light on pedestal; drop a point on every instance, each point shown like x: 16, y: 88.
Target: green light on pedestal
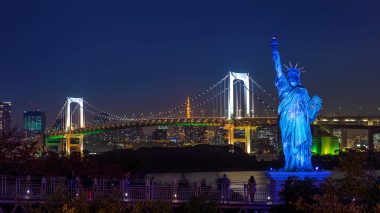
x: 325, y: 145
x: 316, y: 146
x: 330, y: 145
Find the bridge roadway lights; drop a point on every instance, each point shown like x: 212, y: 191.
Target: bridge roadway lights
x: 248, y: 130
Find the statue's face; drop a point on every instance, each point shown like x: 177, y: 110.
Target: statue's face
x: 293, y: 78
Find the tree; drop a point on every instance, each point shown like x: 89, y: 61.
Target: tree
x: 295, y: 190
x: 357, y: 191
x: 15, y: 152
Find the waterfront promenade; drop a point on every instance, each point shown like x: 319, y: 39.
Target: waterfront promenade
x: 18, y: 192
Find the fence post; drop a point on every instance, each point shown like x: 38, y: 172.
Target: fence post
x: 2, y: 185
x: 28, y: 186
x: 147, y: 189
x: 52, y: 183
x: 102, y: 183
x: 174, y: 190
x: 43, y: 186
x: 268, y: 194
x: 51, y: 191
x: 17, y: 187
x: 151, y: 189
x: 198, y: 190
x: 246, y: 194
x: 96, y: 187
x: 5, y: 184
x: 121, y: 186
x: 77, y: 186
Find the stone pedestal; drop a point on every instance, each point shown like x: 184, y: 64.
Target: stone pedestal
x: 277, y: 180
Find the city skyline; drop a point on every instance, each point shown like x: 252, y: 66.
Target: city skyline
x: 126, y: 57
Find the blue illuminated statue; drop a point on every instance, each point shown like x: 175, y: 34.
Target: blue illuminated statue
x: 297, y: 110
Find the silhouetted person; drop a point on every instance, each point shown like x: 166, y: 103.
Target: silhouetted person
x: 251, y: 189
x: 183, y: 182
x: 225, y: 187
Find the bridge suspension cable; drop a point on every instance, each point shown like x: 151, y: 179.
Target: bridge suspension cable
x: 59, y: 118
x: 110, y: 115
x: 270, y: 108
x: 213, y: 101
x: 180, y: 108
x: 262, y: 89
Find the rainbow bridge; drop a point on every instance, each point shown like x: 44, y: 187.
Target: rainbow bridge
x: 236, y: 102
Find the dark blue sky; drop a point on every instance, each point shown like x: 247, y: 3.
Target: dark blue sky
x: 127, y: 57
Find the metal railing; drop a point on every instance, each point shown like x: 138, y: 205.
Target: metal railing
x: 41, y: 188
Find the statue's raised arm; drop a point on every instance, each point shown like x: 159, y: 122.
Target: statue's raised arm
x: 276, y: 56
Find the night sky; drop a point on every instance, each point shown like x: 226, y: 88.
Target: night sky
x: 128, y: 58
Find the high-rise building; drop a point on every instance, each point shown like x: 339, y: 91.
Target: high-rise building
x: 210, y: 135
x: 35, y: 121
x: 269, y: 135
x: 5, y: 116
x: 195, y: 134
x: 221, y: 136
x: 160, y: 134
x: 376, y: 141
x: 342, y: 136
x: 175, y: 134
x: 135, y: 134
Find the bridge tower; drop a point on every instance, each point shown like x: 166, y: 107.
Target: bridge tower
x: 68, y: 141
x: 230, y: 127
x: 73, y: 141
x: 245, y: 78
x: 68, y: 116
x: 246, y: 140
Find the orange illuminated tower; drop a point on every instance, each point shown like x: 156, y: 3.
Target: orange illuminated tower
x: 188, y: 108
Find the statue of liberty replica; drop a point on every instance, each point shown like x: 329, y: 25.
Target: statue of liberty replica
x: 297, y: 111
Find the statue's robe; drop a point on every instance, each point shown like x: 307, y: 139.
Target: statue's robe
x: 296, y: 114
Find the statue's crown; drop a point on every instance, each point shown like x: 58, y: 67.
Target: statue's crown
x: 293, y: 69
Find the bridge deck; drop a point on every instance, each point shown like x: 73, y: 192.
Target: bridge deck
x: 333, y: 122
